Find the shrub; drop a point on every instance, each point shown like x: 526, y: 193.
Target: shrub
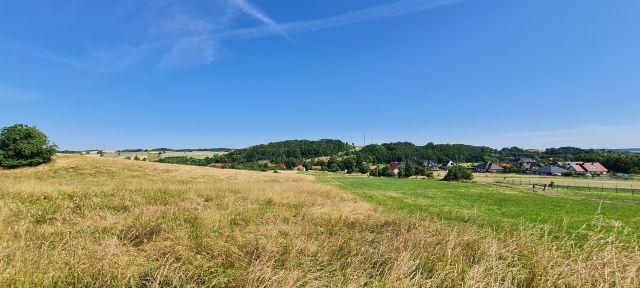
x: 22, y: 145
x: 429, y: 174
x: 458, y: 173
x: 136, y: 158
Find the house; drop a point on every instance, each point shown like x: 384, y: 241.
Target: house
x: 489, y: 168
x: 528, y: 166
x: 595, y: 168
x: 588, y: 168
x: 373, y: 167
x: 430, y: 165
x: 449, y: 164
x: 217, y: 165
x: 395, y: 167
x: 299, y: 168
x: 526, y: 160
x: 566, y: 165
x: 549, y: 170
x: 316, y: 168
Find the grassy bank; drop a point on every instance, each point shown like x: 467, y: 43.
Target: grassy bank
x: 84, y: 221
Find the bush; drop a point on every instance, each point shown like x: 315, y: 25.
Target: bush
x: 458, y: 173
x: 21, y: 145
x: 428, y: 174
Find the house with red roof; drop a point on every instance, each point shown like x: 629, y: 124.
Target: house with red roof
x: 588, y: 168
x: 299, y: 168
x: 316, y: 167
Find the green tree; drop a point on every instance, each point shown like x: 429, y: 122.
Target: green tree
x: 22, y: 145
x: 363, y: 168
x: 458, y: 173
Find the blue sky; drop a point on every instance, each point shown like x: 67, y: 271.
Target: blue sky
x: 231, y: 73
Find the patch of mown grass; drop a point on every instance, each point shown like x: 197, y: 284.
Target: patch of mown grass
x: 499, y: 207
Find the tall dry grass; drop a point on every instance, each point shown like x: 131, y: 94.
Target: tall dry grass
x: 99, y: 222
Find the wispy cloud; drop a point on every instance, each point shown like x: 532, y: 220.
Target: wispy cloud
x: 369, y: 14
x: 177, y: 35
x: 252, y: 10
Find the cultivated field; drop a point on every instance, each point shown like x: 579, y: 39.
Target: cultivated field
x: 84, y: 221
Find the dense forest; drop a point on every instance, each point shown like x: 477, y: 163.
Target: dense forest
x: 341, y: 156
x: 281, y: 152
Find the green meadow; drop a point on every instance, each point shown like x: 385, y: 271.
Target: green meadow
x: 504, y: 208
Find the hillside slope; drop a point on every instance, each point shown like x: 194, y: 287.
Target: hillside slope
x: 83, y: 221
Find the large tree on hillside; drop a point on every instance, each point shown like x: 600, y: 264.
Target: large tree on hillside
x: 22, y: 145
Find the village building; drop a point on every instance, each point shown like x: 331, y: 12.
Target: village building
x: 395, y: 167
x: 489, y: 168
x: 299, y: 168
x: 217, y: 165
x: 430, y: 165
x: 527, y: 160
x: 566, y: 165
x: 316, y: 168
x: 528, y: 166
x: 588, y: 168
x: 550, y: 171
x: 449, y: 164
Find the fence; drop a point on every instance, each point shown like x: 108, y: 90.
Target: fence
x: 590, y: 187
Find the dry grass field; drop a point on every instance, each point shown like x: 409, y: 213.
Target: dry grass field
x: 83, y: 221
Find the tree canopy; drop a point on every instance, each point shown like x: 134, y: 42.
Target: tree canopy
x: 22, y: 145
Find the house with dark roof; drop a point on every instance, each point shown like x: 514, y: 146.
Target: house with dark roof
x: 489, y: 168
x: 430, y: 165
x: 526, y: 160
x: 550, y: 170
x: 566, y: 165
x: 526, y: 167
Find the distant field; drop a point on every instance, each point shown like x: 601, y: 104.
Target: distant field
x: 152, y: 156
x: 574, y: 214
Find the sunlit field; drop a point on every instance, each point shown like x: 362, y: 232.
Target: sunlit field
x: 85, y: 221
